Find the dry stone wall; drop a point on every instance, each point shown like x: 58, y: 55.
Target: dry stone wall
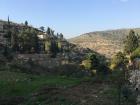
x: 43, y: 59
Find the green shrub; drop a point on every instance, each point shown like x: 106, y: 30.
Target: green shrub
x: 135, y: 54
x: 69, y: 70
x: 119, y: 61
x: 87, y: 64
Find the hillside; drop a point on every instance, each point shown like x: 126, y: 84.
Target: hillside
x: 49, y: 70
x: 104, y: 42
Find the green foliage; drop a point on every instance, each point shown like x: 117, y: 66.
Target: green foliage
x: 87, y: 64
x: 26, y: 23
x: 61, y: 36
x: 42, y: 28
x: 135, y: 54
x: 28, y: 40
x: 24, y: 38
x: 59, y: 46
x: 8, y: 34
x: 14, y: 39
x: 91, y: 61
x: 47, y: 45
x: 48, y: 31
x: 96, y: 64
x: 54, y: 48
x: 69, y: 70
x: 94, y: 59
x: 51, y: 46
x: 131, y: 42
x: 8, y: 53
x: 119, y: 60
x: 51, y: 43
x: 14, y: 84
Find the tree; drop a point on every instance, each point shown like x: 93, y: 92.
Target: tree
x: 49, y: 31
x: 35, y: 40
x: 8, y: 37
x: 8, y: 34
x: 14, y: 39
x: 59, y: 45
x: 61, y: 36
x: 52, y: 32
x: 42, y: 28
x: 26, y: 23
x: 94, y: 59
x: 131, y: 42
x: 87, y: 64
x: 28, y: 40
x: 8, y: 53
x: 57, y: 35
x: 118, y: 61
x: 54, y: 48
x: 91, y: 62
x: 118, y: 64
x: 135, y: 54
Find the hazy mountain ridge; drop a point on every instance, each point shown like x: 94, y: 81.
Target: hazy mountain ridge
x: 105, y: 42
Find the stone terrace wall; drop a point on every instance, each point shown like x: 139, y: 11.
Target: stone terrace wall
x: 43, y: 59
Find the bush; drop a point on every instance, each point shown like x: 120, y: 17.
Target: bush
x: 29, y: 67
x: 8, y: 53
x: 135, y: 54
x: 87, y: 64
x: 69, y: 70
x: 118, y: 61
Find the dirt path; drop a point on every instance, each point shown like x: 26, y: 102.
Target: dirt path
x: 83, y: 94
x: 87, y: 94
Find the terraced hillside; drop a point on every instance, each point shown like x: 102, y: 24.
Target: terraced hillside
x: 104, y: 42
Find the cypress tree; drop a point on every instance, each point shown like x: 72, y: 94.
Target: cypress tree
x: 131, y: 42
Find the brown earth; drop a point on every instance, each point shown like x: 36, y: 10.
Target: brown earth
x: 104, y: 42
x: 83, y: 94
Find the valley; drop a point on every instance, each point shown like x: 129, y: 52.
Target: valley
x: 40, y: 67
x: 104, y: 42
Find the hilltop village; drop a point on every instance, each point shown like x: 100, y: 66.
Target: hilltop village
x: 23, y: 41
x: 11, y: 34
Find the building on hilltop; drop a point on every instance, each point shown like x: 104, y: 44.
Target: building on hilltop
x: 46, y: 42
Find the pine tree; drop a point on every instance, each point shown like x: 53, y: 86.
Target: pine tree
x: 61, y: 36
x: 8, y: 34
x: 131, y: 42
x: 14, y: 39
x: 49, y: 31
x: 26, y: 23
x: 42, y: 28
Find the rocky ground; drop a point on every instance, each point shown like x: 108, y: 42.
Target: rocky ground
x: 135, y: 81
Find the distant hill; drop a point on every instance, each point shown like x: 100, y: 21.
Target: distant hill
x: 104, y: 42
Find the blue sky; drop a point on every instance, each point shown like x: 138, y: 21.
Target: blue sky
x: 73, y: 17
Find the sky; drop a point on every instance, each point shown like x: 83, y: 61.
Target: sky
x: 73, y: 17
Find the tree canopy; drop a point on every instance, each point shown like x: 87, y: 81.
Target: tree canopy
x: 118, y: 61
x: 131, y: 42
